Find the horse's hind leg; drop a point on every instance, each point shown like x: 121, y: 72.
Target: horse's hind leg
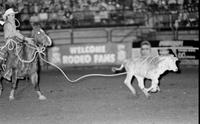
x: 34, y: 81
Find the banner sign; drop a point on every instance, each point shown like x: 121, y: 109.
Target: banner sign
x: 89, y: 54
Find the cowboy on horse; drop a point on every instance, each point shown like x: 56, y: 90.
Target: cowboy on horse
x: 11, y: 34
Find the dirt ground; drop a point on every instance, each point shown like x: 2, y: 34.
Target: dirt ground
x: 102, y: 100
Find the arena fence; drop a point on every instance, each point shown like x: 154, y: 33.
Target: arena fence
x: 112, y: 43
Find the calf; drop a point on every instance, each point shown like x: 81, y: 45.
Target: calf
x: 149, y: 67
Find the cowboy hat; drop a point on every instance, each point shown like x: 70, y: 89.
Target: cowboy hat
x: 8, y: 12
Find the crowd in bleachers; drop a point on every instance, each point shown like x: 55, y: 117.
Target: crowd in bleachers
x: 67, y: 13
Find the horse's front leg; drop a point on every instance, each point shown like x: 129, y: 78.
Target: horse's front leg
x: 14, y: 85
x: 35, y: 82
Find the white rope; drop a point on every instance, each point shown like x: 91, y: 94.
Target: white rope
x: 84, y: 76
x: 8, y: 43
x: 17, y: 22
x: 40, y: 51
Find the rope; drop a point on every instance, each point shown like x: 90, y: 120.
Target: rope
x: 10, y: 43
x: 84, y: 76
x: 17, y: 22
x: 38, y: 50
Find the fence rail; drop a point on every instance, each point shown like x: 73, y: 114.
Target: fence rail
x: 113, y: 34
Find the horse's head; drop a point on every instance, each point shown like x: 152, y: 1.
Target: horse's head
x: 40, y: 37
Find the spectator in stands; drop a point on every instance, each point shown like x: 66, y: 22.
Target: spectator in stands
x: 183, y: 19
x: 173, y: 5
x: 36, y: 7
x: 20, y: 5
x: 97, y: 17
x: 104, y: 15
x: 34, y: 19
x: 52, y: 19
x: 193, y: 19
x: 61, y: 18
x: 25, y: 17
x: 10, y: 33
x: 31, y: 8
x: 10, y: 4
x: 43, y: 17
x: 152, y: 6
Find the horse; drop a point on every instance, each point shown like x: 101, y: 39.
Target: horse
x: 27, y: 61
x: 149, y: 67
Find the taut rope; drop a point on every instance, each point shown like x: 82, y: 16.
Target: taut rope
x: 84, y: 76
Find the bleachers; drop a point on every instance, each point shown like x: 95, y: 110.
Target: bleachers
x: 80, y: 14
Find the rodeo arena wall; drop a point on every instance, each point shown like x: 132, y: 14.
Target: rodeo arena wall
x: 110, y: 46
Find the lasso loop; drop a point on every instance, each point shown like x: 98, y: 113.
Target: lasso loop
x: 9, y: 44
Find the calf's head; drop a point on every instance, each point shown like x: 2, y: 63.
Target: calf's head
x: 169, y: 62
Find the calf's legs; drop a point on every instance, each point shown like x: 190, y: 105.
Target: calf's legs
x: 141, y: 85
x: 127, y: 82
x: 154, y: 86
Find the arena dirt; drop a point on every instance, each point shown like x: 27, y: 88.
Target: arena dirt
x: 102, y: 100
